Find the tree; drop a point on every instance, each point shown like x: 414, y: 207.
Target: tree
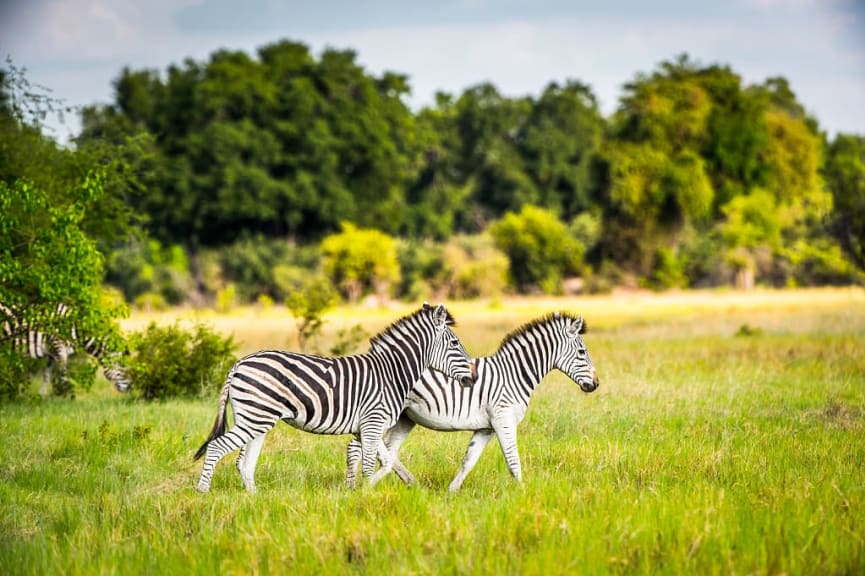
x: 47, y: 259
x: 54, y: 214
x: 558, y: 143
x: 845, y: 177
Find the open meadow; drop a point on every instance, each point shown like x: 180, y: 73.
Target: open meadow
x: 727, y: 437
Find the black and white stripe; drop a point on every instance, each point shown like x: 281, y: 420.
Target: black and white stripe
x: 361, y: 394
x: 42, y: 340
x: 498, y: 401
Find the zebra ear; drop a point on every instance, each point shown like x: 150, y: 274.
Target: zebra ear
x: 577, y: 327
x: 440, y: 316
x: 426, y: 305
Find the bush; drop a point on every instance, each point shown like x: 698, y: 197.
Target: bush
x: 169, y: 361
x: 15, y: 371
x: 260, y: 266
x: 474, y: 268
x: 360, y: 261
x: 668, y: 271
x: 539, y: 247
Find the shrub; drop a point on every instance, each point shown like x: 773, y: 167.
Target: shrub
x: 474, y: 268
x: 171, y: 361
x: 15, y: 371
x: 539, y: 247
x: 359, y: 261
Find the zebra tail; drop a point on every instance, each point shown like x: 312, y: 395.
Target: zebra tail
x: 221, y: 414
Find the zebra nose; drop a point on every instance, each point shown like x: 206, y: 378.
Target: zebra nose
x: 467, y: 381
x: 596, y: 381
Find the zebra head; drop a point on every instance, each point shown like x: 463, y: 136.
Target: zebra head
x: 447, y: 353
x: 116, y: 371
x: 573, y: 358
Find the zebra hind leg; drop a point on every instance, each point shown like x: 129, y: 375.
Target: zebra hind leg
x: 235, y: 438
x: 394, y: 439
x: 248, y: 460
x: 476, y: 445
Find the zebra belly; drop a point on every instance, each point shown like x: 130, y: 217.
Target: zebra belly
x: 350, y: 427
x: 472, y: 419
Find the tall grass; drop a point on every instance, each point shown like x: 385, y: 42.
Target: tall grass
x: 726, y: 438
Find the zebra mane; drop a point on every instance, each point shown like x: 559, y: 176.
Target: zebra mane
x: 545, y: 319
x: 379, y: 339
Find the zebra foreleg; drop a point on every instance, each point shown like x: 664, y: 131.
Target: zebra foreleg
x: 506, y: 430
x: 386, y: 464
x: 479, y: 441
x: 352, y: 459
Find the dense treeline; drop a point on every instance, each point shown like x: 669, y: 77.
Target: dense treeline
x: 249, y: 172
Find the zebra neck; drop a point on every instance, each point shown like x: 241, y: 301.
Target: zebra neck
x: 525, y: 363
x: 404, y: 370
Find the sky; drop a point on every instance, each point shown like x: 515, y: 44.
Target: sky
x: 77, y: 48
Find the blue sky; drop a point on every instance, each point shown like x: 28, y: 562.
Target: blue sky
x: 78, y: 47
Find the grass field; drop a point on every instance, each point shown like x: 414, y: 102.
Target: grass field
x: 728, y: 437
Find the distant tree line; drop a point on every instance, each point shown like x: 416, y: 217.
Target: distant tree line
x: 248, y: 178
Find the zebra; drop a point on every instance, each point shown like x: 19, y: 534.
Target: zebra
x: 36, y: 341
x: 498, y: 401
x: 361, y: 394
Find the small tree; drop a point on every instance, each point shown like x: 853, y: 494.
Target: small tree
x: 539, y: 247
x: 307, y: 304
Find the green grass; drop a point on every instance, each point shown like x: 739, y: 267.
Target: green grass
x: 703, y: 452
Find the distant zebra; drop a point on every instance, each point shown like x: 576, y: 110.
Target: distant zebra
x: 499, y: 398
x: 37, y: 341
x: 361, y: 394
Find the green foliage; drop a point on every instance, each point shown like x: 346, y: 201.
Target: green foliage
x: 539, y: 249
x: 249, y: 264
x: 845, y: 176
x: 472, y: 267
x: 243, y: 151
x: 151, y: 274
x: 259, y: 266
x: 360, y: 261
x: 46, y: 259
x: 15, y: 371
x: 348, y: 340
x: 668, y: 271
x: 171, y: 361
x: 307, y: 303
x: 282, y: 144
x: 78, y: 377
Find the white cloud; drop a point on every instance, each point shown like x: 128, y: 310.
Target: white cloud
x: 77, y: 47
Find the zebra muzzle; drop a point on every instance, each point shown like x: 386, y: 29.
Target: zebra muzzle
x: 467, y: 381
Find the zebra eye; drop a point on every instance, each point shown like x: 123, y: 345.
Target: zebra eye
x: 455, y: 343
